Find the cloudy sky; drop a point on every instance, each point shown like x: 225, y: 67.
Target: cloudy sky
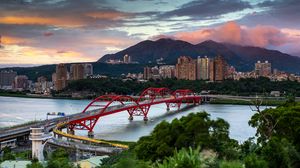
x: 54, y: 31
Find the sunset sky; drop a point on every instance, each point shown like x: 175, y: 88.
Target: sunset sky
x: 54, y: 31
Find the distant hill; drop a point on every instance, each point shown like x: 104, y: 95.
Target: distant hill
x: 241, y: 57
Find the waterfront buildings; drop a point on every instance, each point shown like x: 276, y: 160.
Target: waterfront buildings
x: 203, y: 68
x: 77, y: 71
x: 61, y: 77
x: 6, y: 79
x: 263, y: 68
x: 167, y: 71
x: 80, y: 71
x: 147, y: 73
x: 185, y: 68
x: 21, y: 83
x: 220, y: 68
x: 88, y: 70
x: 42, y: 86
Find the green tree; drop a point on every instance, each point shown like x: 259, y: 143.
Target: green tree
x: 190, y: 131
x: 254, y: 161
x: 59, y: 159
x: 191, y: 158
x: 279, y: 152
x: 7, y: 154
x: 34, y: 164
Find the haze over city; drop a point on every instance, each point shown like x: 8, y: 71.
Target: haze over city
x: 64, y: 31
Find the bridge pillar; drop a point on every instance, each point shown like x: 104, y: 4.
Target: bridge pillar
x: 145, y: 118
x: 91, y: 134
x: 168, y: 106
x: 38, y: 138
x: 130, y: 118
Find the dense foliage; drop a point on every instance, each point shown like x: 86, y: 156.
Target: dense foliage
x: 241, y: 87
x: 191, y: 131
x: 58, y: 159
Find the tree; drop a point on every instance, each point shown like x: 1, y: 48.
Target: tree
x: 191, y: 158
x: 59, y: 159
x: 191, y: 131
x: 254, y: 161
x: 35, y: 164
x: 279, y: 152
x: 282, y: 122
x: 7, y: 154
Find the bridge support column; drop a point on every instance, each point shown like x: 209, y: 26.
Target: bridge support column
x: 168, y: 107
x: 145, y: 118
x: 91, y: 134
x: 130, y: 118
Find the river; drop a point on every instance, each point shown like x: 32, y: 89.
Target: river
x: 15, y: 110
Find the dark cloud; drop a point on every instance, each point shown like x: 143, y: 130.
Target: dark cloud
x: 66, y: 13
x: 281, y: 13
x: 208, y: 8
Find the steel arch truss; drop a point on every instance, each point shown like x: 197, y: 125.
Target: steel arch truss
x: 108, y: 105
x: 154, y: 93
x: 183, y: 93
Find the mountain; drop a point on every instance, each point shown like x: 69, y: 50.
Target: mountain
x: 241, y: 57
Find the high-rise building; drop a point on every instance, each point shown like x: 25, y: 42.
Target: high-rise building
x: 203, y: 68
x: 21, y: 82
x: 211, y: 70
x: 263, y: 68
x: 127, y: 59
x: 218, y: 69
x: 77, y: 71
x: 185, y: 68
x: 61, y: 77
x: 88, y: 70
x: 7, y: 79
x: 167, y: 71
x: 147, y: 73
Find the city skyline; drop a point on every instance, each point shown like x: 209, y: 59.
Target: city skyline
x: 55, y: 31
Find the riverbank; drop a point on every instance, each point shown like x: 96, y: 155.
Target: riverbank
x: 38, y: 96
x: 270, y: 102
x: 266, y: 102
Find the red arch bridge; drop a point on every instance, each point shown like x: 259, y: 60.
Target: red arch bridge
x: 134, y: 106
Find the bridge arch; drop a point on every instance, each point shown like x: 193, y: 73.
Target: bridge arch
x: 153, y: 93
x: 89, y: 122
x: 183, y: 92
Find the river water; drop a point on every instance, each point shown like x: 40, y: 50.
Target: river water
x: 15, y: 110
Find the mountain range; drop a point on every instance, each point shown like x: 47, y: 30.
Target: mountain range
x: 242, y: 58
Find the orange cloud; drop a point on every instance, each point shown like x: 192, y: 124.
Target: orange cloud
x: 14, y: 54
x: 33, y: 20
x: 8, y: 40
x: 231, y: 32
